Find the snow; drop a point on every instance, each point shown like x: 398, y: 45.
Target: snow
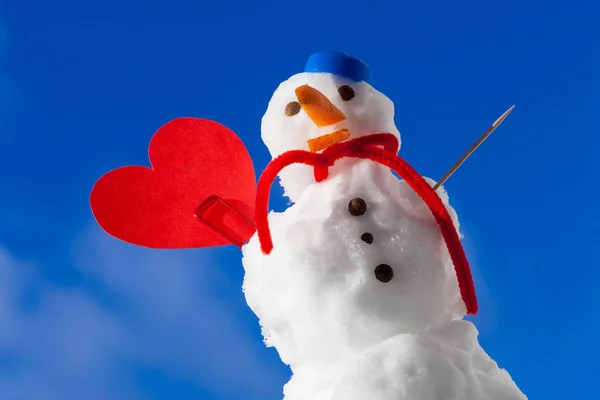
x: 368, y: 112
x: 345, y: 334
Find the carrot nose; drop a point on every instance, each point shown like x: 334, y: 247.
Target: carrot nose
x: 318, y: 107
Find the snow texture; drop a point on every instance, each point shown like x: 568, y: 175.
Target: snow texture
x: 345, y: 334
x: 368, y: 112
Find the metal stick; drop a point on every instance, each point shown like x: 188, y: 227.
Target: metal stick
x: 487, y: 133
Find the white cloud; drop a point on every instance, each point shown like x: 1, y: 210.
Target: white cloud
x: 55, y: 343
x: 157, y: 309
x: 174, y: 296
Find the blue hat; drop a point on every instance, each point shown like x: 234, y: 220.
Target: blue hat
x: 337, y: 63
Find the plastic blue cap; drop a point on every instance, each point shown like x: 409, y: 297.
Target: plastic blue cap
x: 340, y: 64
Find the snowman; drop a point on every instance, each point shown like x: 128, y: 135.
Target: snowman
x: 361, y: 285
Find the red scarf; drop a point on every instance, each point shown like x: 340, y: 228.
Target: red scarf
x: 367, y: 147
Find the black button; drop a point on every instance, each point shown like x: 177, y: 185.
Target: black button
x: 357, y: 206
x: 346, y: 92
x: 367, y: 237
x: 292, y: 108
x: 384, y: 273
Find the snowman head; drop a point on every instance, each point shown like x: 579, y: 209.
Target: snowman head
x: 332, y: 101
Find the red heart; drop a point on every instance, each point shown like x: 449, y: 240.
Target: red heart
x: 193, y: 159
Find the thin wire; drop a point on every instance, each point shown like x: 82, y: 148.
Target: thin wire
x: 487, y: 133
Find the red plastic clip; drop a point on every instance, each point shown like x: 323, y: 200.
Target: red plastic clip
x: 221, y: 217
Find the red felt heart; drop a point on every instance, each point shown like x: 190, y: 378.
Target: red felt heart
x: 193, y: 159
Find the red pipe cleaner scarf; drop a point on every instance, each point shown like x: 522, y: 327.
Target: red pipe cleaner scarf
x: 367, y: 147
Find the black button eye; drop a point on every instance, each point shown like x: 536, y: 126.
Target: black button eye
x: 292, y: 108
x: 346, y: 92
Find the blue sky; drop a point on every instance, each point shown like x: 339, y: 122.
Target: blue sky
x: 83, y: 86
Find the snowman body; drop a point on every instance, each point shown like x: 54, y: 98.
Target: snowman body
x: 347, y: 332
x: 443, y: 363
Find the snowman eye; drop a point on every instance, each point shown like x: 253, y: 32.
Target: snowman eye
x: 292, y: 108
x: 346, y: 92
